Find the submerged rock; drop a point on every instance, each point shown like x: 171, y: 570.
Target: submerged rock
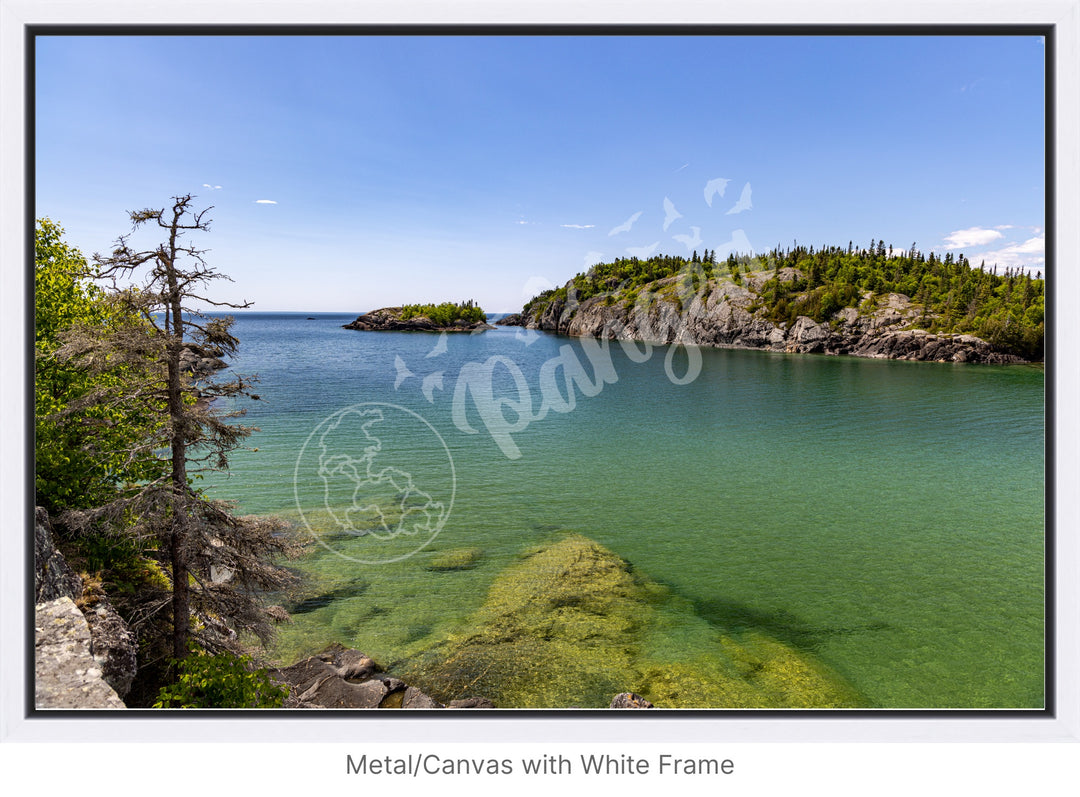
x: 573, y: 623
x: 456, y: 559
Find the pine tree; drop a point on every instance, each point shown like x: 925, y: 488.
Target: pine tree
x: 219, y: 562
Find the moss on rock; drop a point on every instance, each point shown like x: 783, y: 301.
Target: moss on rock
x: 456, y: 559
x: 572, y: 624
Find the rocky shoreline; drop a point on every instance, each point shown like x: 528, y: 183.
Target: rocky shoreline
x: 727, y: 316
x: 388, y: 319
x: 569, y: 625
x: 343, y: 678
x: 85, y: 654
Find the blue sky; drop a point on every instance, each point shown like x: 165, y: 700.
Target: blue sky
x: 352, y: 173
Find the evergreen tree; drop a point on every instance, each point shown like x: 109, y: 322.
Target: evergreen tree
x: 219, y: 563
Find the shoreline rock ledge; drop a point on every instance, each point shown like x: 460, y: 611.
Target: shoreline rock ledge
x: 388, y: 319
x: 341, y: 677
x: 730, y: 315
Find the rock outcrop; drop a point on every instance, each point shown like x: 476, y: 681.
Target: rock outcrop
x: 388, y: 319
x: 727, y: 315
x: 340, y: 677
x: 201, y: 364
x: 53, y: 577
x: 65, y: 673
x: 113, y: 645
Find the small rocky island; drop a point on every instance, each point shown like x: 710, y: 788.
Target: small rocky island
x: 445, y: 317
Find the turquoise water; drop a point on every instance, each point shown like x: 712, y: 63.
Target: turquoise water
x: 885, y: 517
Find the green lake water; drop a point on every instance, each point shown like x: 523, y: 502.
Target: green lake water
x: 885, y: 518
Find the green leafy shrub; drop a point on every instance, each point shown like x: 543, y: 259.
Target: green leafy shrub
x: 81, y: 446
x: 221, y: 681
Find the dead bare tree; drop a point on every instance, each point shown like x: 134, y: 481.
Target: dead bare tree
x: 221, y: 565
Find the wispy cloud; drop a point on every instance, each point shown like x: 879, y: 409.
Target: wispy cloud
x: 578, y: 226
x: 265, y: 201
x: 972, y: 236
x: 1029, y: 254
x: 211, y: 187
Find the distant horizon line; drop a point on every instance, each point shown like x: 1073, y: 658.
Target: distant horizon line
x: 248, y: 310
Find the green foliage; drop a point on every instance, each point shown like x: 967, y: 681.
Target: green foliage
x: 221, y: 680
x: 1005, y: 310
x: 445, y: 314
x: 82, y: 443
x: 127, y: 570
x: 629, y: 273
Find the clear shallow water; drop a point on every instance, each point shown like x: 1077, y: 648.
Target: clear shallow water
x: 885, y: 517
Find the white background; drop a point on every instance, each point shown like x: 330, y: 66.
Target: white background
x: 881, y: 756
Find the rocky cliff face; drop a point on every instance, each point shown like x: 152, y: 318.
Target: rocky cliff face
x: 53, y: 577
x: 726, y: 315
x: 110, y: 645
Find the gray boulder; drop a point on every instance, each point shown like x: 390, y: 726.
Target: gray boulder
x: 807, y: 335
x: 112, y: 644
x: 65, y: 673
x: 414, y: 698
x: 340, y: 677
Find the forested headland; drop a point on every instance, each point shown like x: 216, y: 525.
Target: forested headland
x: 946, y: 295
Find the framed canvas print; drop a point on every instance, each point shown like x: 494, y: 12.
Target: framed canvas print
x: 445, y: 374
